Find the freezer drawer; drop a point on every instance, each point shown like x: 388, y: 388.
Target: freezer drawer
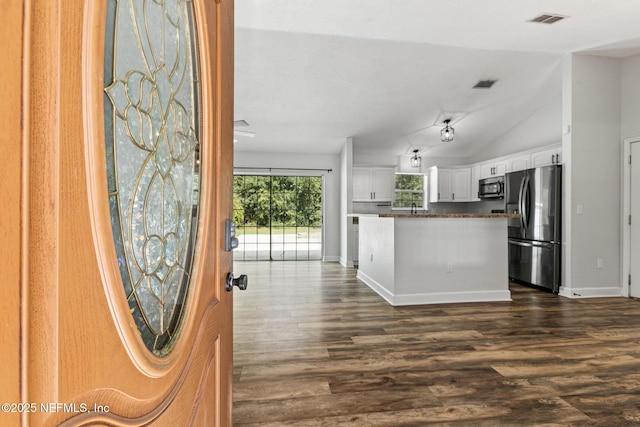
x: 535, y: 263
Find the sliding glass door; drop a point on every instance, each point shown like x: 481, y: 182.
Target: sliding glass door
x: 278, y: 217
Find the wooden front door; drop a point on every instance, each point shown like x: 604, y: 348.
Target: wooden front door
x: 118, y: 182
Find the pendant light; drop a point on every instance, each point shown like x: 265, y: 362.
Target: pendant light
x: 446, y: 134
x: 416, y: 160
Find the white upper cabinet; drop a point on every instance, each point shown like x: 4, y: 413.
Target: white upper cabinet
x: 444, y: 185
x: 439, y: 184
x: 361, y: 184
x: 549, y: 156
x: 494, y: 168
x: 383, y: 183
x: 449, y: 184
x: 373, y: 184
x: 475, y: 185
x: 519, y: 163
x: 461, y: 184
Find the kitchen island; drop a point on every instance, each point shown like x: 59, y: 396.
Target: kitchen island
x: 435, y: 258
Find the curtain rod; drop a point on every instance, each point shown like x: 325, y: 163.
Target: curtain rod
x: 284, y: 169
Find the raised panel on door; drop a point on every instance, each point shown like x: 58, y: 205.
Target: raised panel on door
x: 519, y: 163
x: 362, y: 191
x: 135, y: 329
x: 501, y: 167
x: 461, y: 183
x: 475, y: 185
x: 444, y: 185
x: 432, y: 177
x: 486, y: 170
x: 383, y: 184
x: 543, y: 158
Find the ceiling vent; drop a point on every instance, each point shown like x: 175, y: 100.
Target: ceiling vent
x: 547, y: 18
x: 484, y: 84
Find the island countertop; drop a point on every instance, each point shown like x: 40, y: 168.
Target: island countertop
x: 448, y: 215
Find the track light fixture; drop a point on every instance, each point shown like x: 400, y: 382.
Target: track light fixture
x: 446, y: 134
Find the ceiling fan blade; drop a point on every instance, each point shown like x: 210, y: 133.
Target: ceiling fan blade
x: 244, y: 133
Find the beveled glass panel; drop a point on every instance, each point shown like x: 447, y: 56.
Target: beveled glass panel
x: 152, y: 128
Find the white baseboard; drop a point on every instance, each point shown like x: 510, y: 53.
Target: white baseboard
x: 331, y: 259
x: 435, y: 297
x: 377, y: 287
x: 343, y: 262
x: 452, y: 297
x: 601, y: 292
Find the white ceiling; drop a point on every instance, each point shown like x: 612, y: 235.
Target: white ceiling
x: 309, y: 74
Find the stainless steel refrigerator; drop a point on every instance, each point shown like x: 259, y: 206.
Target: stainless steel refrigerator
x: 535, y: 237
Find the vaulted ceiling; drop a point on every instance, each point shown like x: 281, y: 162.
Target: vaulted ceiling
x: 309, y: 74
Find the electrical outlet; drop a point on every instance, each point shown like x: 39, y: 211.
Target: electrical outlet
x: 579, y: 209
x: 600, y: 263
x: 449, y: 267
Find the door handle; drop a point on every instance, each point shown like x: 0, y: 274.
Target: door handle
x: 241, y: 282
x: 543, y: 245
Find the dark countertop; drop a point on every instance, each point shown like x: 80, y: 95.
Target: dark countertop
x: 449, y: 215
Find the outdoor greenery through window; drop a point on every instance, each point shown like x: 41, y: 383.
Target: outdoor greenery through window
x: 409, y: 190
x: 278, y: 217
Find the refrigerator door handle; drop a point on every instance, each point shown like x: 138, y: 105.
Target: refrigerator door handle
x: 521, y: 205
x: 526, y: 204
x: 531, y: 244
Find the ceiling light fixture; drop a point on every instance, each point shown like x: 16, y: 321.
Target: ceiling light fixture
x: 446, y: 134
x: 416, y: 160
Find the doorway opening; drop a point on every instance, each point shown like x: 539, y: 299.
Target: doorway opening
x: 278, y: 217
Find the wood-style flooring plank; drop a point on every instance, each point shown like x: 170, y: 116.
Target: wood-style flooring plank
x: 313, y: 346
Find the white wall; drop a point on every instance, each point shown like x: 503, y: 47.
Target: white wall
x: 543, y: 127
x: 402, y: 163
x: 631, y: 97
x: 592, y: 150
x: 368, y: 157
x: 331, y: 196
x: 347, y: 232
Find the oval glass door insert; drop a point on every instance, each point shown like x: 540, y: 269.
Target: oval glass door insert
x: 152, y: 127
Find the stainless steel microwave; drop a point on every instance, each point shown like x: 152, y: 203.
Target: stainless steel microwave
x: 491, y: 188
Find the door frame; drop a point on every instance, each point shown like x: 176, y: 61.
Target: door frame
x: 625, y: 228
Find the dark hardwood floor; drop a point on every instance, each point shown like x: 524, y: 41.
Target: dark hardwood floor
x: 316, y: 347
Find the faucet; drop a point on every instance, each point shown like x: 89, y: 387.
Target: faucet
x: 414, y: 208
